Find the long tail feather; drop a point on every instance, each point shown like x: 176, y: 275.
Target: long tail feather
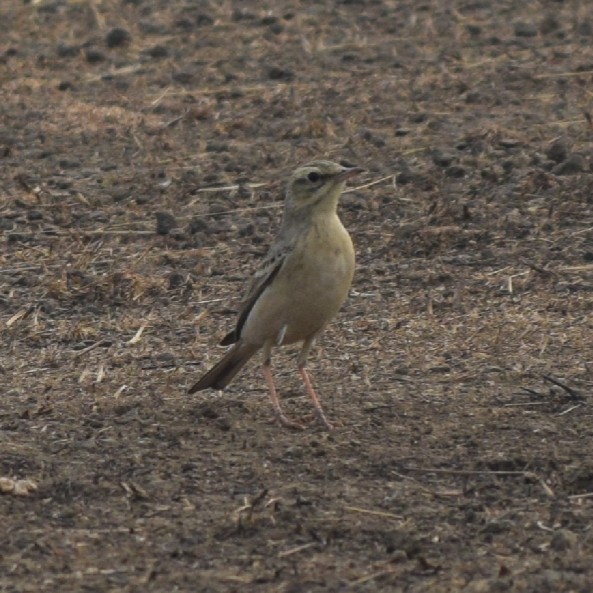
x: 223, y: 372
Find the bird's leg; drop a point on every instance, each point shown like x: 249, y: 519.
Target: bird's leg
x: 267, y: 370
x: 302, y: 361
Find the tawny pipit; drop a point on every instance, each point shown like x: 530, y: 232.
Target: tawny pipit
x: 302, y: 283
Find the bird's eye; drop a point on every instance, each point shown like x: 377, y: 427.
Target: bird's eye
x: 313, y: 177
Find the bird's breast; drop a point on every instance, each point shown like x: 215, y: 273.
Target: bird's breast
x: 309, y: 289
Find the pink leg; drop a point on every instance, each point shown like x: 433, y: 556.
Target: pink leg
x: 314, y: 398
x: 275, y: 402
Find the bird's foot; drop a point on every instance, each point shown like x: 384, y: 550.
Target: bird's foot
x: 321, y: 416
x: 286, y: 422
x: 310, y: 418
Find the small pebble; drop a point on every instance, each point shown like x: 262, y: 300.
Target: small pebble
x: 404, y: 177
x: 197, y: 225
x: 157, y: 51
x: 525, y: 29
x: 574, y: 164
x: 247, y: 230
x: 93, y: 55
x: 585, y: 28
x: 217, y: 208
x: 183, y: 76
x: 549, y: 24
x: 118, y: 37
x: 149, y: 27
x: 69, y: 163
x: 557, y: 151
x: 65, y: 50
x: 563, y: 540
x: 175, y: 280
x: 243, y: 14
x: 509, y: 143
x: 277, y: 73
x: 455, y: 171
x: 165, y: 223
x: 441, y: 158
x: 34, y: 215
x: 215, y: 146
x: 204, y: 20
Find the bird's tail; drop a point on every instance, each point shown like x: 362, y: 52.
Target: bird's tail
x: 223, y: 372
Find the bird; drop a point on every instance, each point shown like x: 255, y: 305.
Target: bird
x: 299, y: 287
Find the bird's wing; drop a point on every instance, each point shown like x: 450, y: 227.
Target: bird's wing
x: 265, y: 275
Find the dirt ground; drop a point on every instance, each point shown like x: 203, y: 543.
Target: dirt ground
x: 144, y: 146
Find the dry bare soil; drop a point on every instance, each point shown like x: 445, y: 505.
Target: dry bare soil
x: 143, y: 151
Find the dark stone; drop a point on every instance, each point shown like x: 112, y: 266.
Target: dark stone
x: 197, y: 225
x: 175, y: 280
x: 34, y: 215
x: 277, y: 73
x: 585, y: 28
x: 442, y: 159
x: 404, y: 177
x: 93, y: 55
x: 185, y: 24
x: 165, y: 223
x: 525, y: 29
x: 18, y: 237
x: 153, y: 28
x: 509, y: 143
x: 217, y: 208
x: 489, y: 175
x: 574, y: 164
x: 455, y: 171
x: 247, y: 230
x: 474, y: 98
x: 549, y: 24
x: 157, y: 51
x: 182, y: 77
x: 118, y: 37
x: 215, y: 146
x: 243, y: 15
x: 277, y: 28
x: 65, y: 50
x: 204, y: 20
x: 69, y: 163
x: 120, y: 195
x: 557, y: 151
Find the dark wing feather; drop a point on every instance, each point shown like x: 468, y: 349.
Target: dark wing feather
x: 262, y: 279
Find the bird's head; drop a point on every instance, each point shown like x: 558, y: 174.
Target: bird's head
x: 317, y: 185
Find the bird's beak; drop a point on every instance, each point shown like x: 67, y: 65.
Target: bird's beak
x: 349, y: 172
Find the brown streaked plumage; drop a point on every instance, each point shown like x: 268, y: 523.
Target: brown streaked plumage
x: 301, y: 285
